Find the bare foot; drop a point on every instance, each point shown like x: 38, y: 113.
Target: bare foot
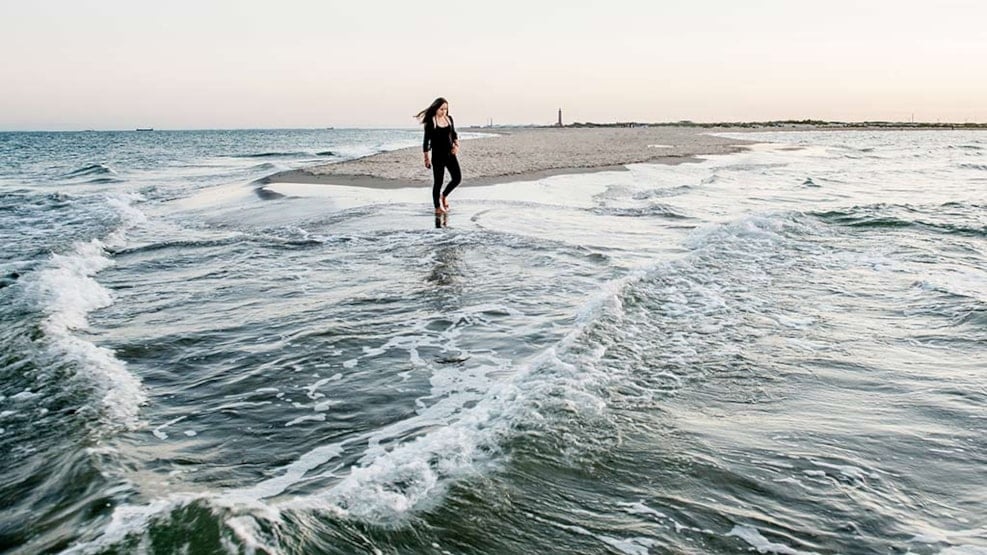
x: 440, y: 212
x: 445, y: 204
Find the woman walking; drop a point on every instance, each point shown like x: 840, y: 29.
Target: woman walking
x: 442, y: 140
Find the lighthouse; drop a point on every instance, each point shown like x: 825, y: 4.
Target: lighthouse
x: 560, y: 118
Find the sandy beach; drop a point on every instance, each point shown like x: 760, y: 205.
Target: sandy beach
x: 512, y: 154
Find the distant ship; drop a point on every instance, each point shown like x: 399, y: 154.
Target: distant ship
x: 145, y: 129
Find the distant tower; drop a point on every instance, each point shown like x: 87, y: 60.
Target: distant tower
x: 560, y: 118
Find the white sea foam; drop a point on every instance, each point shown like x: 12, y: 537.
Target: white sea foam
x: 68, y: 291
x: 245, y: 528
x: 467, y: 425
x: 307, y: 418
x: 390, y: 483
x: 639, y: 508
x: 965, y: 282
x: 159, y: 431
x: 753, y: 537
x: 955, y: 539
x: 964, y: 550
x: 847, y: 470
x: 127, y: 520
x: 24, y: 396
x: 630, y: 546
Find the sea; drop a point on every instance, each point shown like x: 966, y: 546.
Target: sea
x: 781, y: 350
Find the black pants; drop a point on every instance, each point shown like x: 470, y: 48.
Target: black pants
x: 439, y: 165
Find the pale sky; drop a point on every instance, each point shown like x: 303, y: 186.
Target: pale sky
x: 183, y: 64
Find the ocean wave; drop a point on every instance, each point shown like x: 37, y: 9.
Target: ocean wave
x: 287, y: 154
x: 91, y: 169
x: 958, y: 295
x: 938, y: 219
x: 398, y: 474
x: 353, y: 152
x: 268, y: 239
x: 67, y: 292
x: 974, y: 206
x: 179, y: 244
x: 980, y: 167
x: 11, y: 200
x: 267, y: 194
x: 966, y: 147
x: 665, y: 193
x: 58, y: 197
x: 99, y: 180
x: 271, y: 155
x: 9, y: 279
x: 753, y: 167
x: 654, y: 209
x: 761, y: 544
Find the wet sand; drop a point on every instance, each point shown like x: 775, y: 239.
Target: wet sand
x: 524, y: 154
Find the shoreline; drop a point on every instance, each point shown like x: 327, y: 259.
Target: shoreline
x: 523, y: 154
x: 305, y: 177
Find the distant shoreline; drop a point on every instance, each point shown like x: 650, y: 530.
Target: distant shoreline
x: 782, y: 124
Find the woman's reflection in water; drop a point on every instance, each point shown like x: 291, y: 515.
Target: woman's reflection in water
x: 441, y: 220
x: 448, y: 277
x: 448, y: 267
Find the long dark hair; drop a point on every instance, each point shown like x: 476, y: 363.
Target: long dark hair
x: 428, y: 113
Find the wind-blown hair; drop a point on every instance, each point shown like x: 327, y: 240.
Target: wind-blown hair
x: 428, y: 113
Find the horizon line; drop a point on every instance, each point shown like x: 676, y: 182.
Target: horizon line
x: 677, y: 123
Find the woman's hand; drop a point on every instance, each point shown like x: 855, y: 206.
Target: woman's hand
x: 455, y: 147
x: 428, y: 165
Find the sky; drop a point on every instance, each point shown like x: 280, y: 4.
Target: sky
x: 180, y: 64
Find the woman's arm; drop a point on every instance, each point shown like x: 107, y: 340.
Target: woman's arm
x: 454, y: 136
x: 425, y: 144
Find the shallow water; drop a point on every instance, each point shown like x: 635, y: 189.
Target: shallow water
x: 780, y: 350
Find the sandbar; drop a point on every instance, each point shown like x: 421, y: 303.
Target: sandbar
x: 501, y: 155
